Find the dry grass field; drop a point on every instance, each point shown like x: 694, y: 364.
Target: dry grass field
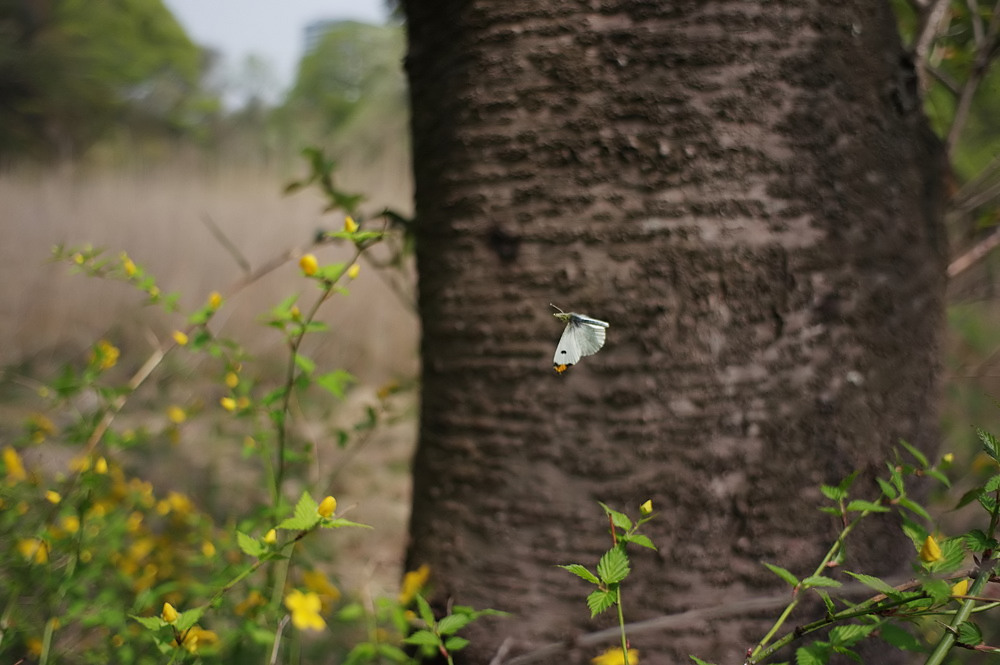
x: 157, y: 214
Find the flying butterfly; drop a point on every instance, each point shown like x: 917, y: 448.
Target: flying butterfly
x: 583, y: 336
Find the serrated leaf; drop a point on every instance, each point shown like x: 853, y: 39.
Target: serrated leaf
x: 876, y: 583
x: 424, y: 608
x: 422, y: 638
x: 613, y: 566
x: 152, y: 623
x: 305, y: 517
x: 453, y: 623
x: 455, y: 643
x: 640, y: 540
x: 599, y: 600
x: 977, y: 541
x: 336, y: 382
x: 832, y: 493
x: 938, y: 590
x: 250, y: 546
x: 887, y: 489
x: 187, y: 619
x: 969, y: 634
x: 582, y: 572
x: 817, y: 653
x: 849, y: 634
x: 993, y: 484
x: 859, y: 505
x: 820, y: 581
x: 620, y: 520
x: 990, y: 445
x: 784, y: 574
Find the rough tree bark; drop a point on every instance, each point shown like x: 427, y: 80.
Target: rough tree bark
x: 749, y: 193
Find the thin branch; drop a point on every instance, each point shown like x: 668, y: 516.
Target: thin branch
x: 226, y: 243
x: 928, y: 32
x: 980, y: 66
x: 977, y: 24
x: 974, y: 255
x: 944, y: 79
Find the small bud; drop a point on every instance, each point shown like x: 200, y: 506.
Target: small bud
x: 960, y: 588
x: 271, y: 537
x: 180, y: 337
x: 327, y: 506
x: 169, y: 614
x: 647, y: 507
x: 215, y: 300
x: 309, y: 264
x: 930, y: 551
x: 232, y: 379
x: 52, y: 496
x: 228, y: 403
x: 350, y: 225
x: 176, y: 414
x: 353, y: 271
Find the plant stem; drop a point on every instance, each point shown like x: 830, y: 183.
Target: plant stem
x: 621, y: 622
x: 951, y: 632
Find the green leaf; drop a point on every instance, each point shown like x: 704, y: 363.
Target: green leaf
x: 453, y: 623
x: 913, y: 507
x: 305, y: 516
x: 187, y: 619
x: 599, y: 600
x: 977, y: 541
x: 640, y: 540
x: 305, y: 363
x: 152, y: 623
x: 820, y: 581
x: 394, y: 653
x: 859, y: 506
x: 899, y: 638
x: 699, y: 661
x: 425, y: 610
x: 336, y: 382
x: 850, y: 634
x: 833, y: 493
x: 817, y: 653
x: 917, y: 455
x: 877, y: 584
x: 351, y: 612
x: 887, y: 489
x: 341, y: 522
x: 969, y: 634
x: 938, y: 590
x: 993, y: 484
x: 581, y: 571
x: 423, y: 638
x: 939, y: 476
x: 784, y: 574
x: 620, y: 520
x: 990, y: 444
x: 455, y: 643
x: 613, y: 566
x: 250, y: 546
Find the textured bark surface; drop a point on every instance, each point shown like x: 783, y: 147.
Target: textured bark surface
x: 749, y: 194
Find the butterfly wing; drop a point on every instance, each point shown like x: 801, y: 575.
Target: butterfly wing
x: 589, y: 336
x: 568, y: 350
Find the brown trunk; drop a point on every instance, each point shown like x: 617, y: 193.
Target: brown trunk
x: 749, y: 194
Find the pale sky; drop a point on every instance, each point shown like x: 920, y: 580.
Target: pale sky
x: 272, y: 29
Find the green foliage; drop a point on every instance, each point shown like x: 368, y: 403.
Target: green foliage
x: 72, y: 68
x: 97, y: 566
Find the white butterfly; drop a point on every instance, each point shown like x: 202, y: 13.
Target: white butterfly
x: 583, y: 336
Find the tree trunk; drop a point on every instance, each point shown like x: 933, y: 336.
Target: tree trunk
x: 749, y: 194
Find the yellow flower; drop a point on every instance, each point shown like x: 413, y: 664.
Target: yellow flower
x: 77, y: 258
x: 243, y: 402
x: 215, y: 300
x: 197, y: 637
x: 169, y: 614
x: 317, y: 582
x: 180, y: 337
x: 305, y: 610
x: 327, y: 507
x: 232, y: 379
x: 960, y: 588
x: 615, y: 656
x: 13, y: 465
x: 127, y: 265
x: 40, y: 427
x: 228, y: 403
x: 176, y: 414
x: 52, y: 496
x: 271, y: 537
x: 71, y: 523
x: 930, y: 551
x: 647, y: 507
x: 350, y: 225
x: 309, y: 264
x: 104, y: 355
x: 413, y: 582
x: 33, y: 549
x: 34, y: 646
x: 353, y: 271
x: 208, y: 549
x: 101, y: 466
